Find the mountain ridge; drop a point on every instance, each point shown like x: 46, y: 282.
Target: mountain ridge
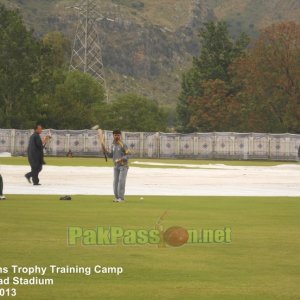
x: 151, y: 43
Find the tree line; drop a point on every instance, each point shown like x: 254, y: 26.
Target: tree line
x: 243, y: 86
x: 233, y: 85
x: 36, y: 87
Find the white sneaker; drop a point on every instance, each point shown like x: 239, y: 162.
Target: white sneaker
x: 120, y: 200
x: 115, y: 200
x: 2, y: 197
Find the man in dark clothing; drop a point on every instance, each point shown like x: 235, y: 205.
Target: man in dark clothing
x: 36, y: 155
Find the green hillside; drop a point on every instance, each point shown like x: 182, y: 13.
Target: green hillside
x: 150, y: 43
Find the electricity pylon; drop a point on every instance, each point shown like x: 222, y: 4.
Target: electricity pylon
x: 86, y: 53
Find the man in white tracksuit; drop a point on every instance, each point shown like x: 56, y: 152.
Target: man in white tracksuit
x: 119, y: 154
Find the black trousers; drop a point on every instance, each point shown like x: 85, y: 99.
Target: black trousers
x: 34, y: 174
x: 1, y: 186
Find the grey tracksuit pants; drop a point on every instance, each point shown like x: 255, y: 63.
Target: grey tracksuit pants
x: 120, y: 174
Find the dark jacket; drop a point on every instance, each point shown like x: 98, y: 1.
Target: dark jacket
x: 35, y: 150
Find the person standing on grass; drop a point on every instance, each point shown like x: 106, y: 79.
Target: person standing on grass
x: 2, y: 197
x: 36, y: 155
x: 119, y: 153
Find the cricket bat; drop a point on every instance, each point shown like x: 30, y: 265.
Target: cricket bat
x: 102, y: 142
x: 47, y: 139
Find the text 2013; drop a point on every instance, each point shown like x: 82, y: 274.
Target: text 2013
x: 8, y: 292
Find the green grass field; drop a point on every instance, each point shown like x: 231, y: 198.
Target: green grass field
x: 261, y: 262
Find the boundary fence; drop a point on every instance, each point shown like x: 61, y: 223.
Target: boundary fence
x: 214, y: 145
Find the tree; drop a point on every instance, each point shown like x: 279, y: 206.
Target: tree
x: 53, y: 62
x: 218, y: 51
x: 19, y: 65
x: 216, y: 110
x: 60, y: 46
x: 133, y: 113
x: 30, y: 69
x: 75, y: 103
x: 269, y: 79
